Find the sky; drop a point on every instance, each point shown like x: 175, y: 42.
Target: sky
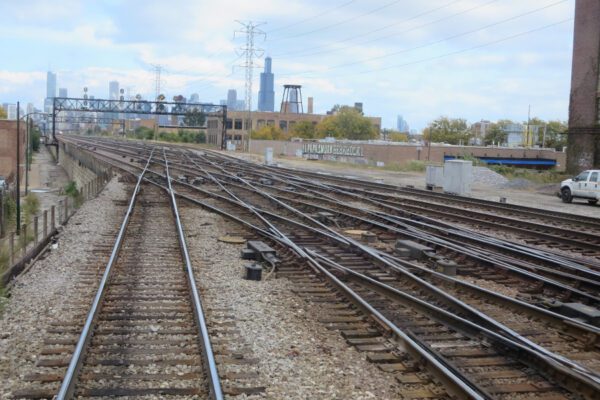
x: 472, y: 59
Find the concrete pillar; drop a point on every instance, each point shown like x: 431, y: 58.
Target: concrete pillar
x: 584, y: 125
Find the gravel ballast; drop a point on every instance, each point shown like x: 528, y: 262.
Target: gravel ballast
x: 298, y: 357
x: 47, y: 292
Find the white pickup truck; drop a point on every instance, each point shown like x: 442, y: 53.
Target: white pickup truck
x: 586, y: 185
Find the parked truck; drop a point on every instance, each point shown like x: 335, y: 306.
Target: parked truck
x: 583, y: 186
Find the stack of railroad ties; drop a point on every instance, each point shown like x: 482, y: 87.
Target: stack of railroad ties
x: 538, y: 340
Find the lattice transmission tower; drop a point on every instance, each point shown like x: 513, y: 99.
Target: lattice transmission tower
x: 249, y: 51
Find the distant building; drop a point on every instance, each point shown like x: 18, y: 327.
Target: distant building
x: 359, y: 107
x: 266, y: 94
x: 11, y: 110
x: 514, y: 134
x: 50, y: 91
x: 50, y: 85
x: 113, y: 90
x: 479, y: 130
x: 194, y: 98
x: 62, y: 92
x: 240, y: 105
x: 237, y: 128
x: 402, y: 125
x: 232, y: 99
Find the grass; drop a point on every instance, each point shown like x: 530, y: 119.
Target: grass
x: 72, y: 191
x: 411, y: 166
x: 536, y: 176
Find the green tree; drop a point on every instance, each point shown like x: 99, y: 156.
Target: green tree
x: 304, y: 129
x: 2, y: 113
x: 395, y: 136
x: 556, y: 134
x: 194, y: 118
x: 35, y: 139
x: 495, y: 135
x: 448, y: 130
x: 327, y: 128
x: 268, y: 132
x: 347, y: 123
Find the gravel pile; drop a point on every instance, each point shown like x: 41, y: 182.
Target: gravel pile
x: 519, y: 183
x: 486, y: 176
x: 45, y: 293
x: 298, y: 357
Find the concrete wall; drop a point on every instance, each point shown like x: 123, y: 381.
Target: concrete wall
x: 402, y: 154
x: 8, y: 147
x: 80, y: 166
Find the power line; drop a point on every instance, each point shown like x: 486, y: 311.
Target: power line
x: 312, y: 52
x: 326, y: 27
x: 437, y: 41
x: 504, y: 39
x: 313, y: 17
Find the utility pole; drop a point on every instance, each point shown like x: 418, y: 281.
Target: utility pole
x: 528, y: 122
x: 250, y: 29
x: 18, y: 166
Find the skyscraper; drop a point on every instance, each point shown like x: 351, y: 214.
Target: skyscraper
x: 50, y: 85
x: 50, y: 91
x: 402, y: 125
x: 232, y: 99
x: 113, y: 90
x: 194, y: 98
x: 266, y: 94
x: 62, y: 92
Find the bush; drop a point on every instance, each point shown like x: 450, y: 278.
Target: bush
x: 31, y: 206
x: 72, y: 191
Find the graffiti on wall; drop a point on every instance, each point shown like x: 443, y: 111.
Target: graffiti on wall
x: 334, y: 149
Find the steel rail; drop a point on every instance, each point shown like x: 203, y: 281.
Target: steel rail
x: 567, y: 217
x: 531, y: 346
x: 68, y: 384
x: 460, y: 248
x: 296, y: 223
x: 586, y: 377
x: 457, y: 384
x: 214, y: 384
x: 488, y: 241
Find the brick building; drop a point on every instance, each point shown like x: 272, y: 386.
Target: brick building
x: 237, y: 120
x: 8, y: 148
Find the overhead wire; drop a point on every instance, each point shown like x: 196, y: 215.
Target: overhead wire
x: 428, y: 59
x: 345, y: 21
x: 348, y: 64
x: 312, y: 17
x: 312, y: 52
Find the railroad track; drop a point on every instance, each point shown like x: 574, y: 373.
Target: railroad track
x: 145, y: 333
x: 401, y: 302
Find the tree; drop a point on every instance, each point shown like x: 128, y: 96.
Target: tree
x: 556, y: 134
x: 395, y: 136
x: 327, y: 128
x: 347, y: 123
x: 448, y: 130
x: 35, y: 139
x: 268, y: 132
x: 304, y: 129
x: 495, y: 135
x: 194, y: 118
x: 2, y: 113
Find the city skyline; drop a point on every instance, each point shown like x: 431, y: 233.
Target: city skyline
x: 461, y: 59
